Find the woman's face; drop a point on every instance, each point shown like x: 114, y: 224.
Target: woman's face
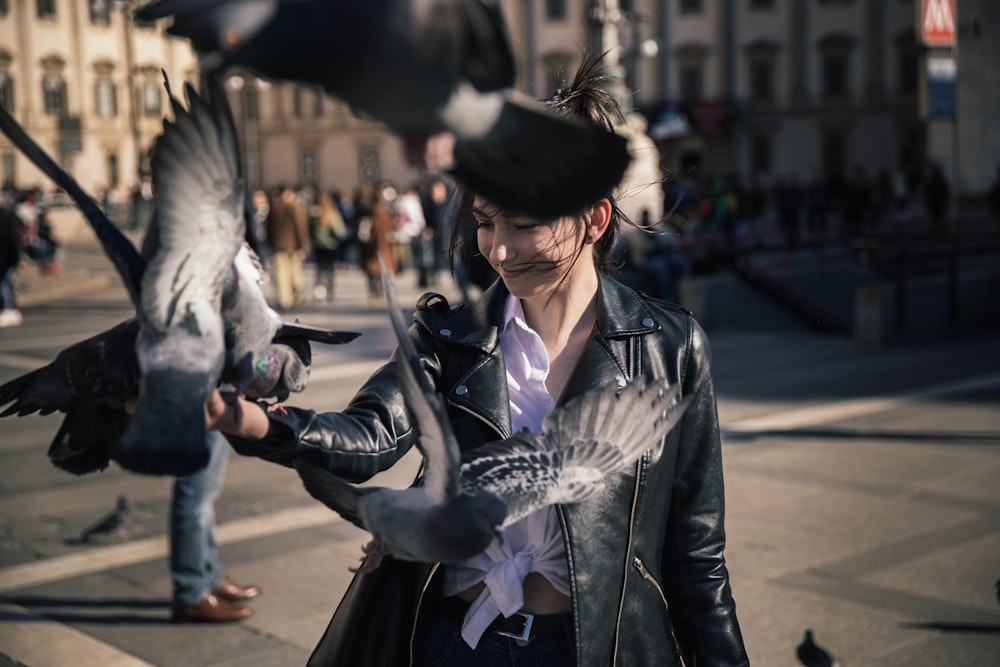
x: 531, y: 257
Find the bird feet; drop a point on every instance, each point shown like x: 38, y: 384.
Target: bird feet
x: 232, y: 398
x: 373, y: 555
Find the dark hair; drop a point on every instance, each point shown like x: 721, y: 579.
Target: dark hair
x: 587, y: 97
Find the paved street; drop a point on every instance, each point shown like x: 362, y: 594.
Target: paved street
x: 862, y: 500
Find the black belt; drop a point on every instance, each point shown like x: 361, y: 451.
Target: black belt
x: 516, y: 626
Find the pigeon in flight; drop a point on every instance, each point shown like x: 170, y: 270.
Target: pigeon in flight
x: 194, y: 237
x: 461, y: 505
x: 110, y: 525
x: 90, y: 380
x: 812, y: 654
x: 439, y: 73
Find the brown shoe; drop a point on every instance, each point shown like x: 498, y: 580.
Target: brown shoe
x: 230, y: 591
x: 209, y: 609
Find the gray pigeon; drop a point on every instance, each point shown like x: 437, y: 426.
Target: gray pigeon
x: 424, y: 68
x: 110, y: 525
x: 196, y: 232
x: 90, y: 380
x: 456, y: 512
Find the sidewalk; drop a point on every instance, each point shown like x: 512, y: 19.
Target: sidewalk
x: 862, y: 502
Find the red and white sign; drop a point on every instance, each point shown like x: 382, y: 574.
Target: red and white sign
x: 938, y: 22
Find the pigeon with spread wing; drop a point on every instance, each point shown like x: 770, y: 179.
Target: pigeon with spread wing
x: 460, y: 505
x: 90, y: 381
x: 439, y: 73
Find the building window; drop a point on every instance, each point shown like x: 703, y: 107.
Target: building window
x: 907, y: 63
x: 248, y: 99
x: 307, y: 102
x: 761, y: 154
x: 151, y: 99
x: 6, y: 92
x: 4, y: 7
x: 835, y: 2
x: 114, y: 171
x: 100, y: 13
x: 45, y: 9
x: 833, y: 153
x: 761, y: 80
x: 834, y: 75
x: 691, y: 81
x: 555, y: 10
x: 761, y: 4
x: 54, y: 94
x: 106, y: 98
x: 8, y: 168
x: 690, y: 6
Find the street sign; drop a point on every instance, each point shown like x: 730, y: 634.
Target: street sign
x: 937, y: 22
x: 941, y: 74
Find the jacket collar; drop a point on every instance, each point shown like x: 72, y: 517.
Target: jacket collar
x: 620, y: 314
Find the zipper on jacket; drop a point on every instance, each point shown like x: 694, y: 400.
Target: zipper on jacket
x: 648, y: 576
x: 645, y: 574
x: 628, y: 550
x: 420, y: 603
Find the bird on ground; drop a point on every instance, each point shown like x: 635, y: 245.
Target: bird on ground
x: 438, y: 73
x: 812, y: 654
x: 462, y: 504
x: 109, y: 526
x: 88, y: 380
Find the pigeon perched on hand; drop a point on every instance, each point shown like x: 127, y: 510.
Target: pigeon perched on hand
x: 439, y: 73
x: 89, y: 381
x: 460, y: 506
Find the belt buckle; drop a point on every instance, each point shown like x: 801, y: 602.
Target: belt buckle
x: 525, y: 633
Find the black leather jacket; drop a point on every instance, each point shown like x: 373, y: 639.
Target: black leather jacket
x: 647, y: 572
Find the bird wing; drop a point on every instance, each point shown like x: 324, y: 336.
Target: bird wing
x: 337, y: 494
x: 435, y: 437
x: 98, y: 369
x: 119, y: 249
x: 589, y: 438
x: 199, y: 211
x: 469, y: 35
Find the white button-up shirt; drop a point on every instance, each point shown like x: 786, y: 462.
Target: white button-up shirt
x: 534, y: 543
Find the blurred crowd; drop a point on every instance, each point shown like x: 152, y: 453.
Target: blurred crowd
x: 25, y: 231
x: 709, y: 221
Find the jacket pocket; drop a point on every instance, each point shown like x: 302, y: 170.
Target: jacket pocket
x: 648, y: 576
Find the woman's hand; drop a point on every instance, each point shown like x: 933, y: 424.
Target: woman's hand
x: 236, y: 416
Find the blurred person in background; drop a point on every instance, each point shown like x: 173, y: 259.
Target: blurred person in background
x: 327, y: 231
x: 10, y: 258
x: 288, y: 240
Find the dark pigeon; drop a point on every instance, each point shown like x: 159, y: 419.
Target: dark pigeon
x: 812, y: 654
x: 109, y: 526
x: 439, y: 73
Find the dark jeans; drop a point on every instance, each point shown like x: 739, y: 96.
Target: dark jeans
x: 442, y: 646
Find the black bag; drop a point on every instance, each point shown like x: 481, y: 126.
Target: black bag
x: 374, y: 621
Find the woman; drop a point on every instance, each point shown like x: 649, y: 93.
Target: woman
x: 633, y: 576
x: 327, y: 232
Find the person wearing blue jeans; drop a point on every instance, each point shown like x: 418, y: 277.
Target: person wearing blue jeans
x: 202, y: 593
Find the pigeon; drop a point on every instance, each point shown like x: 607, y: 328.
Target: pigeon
x: 110, y: 525
x: 462, y: 504
x: 438, y: 73
x: 88, y: 380
x: 812, y: 654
